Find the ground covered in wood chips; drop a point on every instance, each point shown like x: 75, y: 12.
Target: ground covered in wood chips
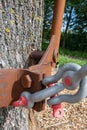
x: 75, y: 117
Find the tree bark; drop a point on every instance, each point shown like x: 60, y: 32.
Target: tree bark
x: 21, y: 25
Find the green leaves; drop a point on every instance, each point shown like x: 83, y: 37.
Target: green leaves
x: 74, y: 31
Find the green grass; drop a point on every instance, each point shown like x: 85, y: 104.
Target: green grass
x: 75, y: 54
x: 66, y: 56
x: 63, y: 59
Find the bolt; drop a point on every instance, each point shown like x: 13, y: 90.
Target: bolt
x: 58, y: 111
x: 26, y: 81
x: 22, y: 101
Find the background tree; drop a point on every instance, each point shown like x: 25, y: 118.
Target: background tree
x: 21, y: 25
x: 48, y: 11
x: 75, y: 25
x: 81, y: 17
x: 67, y: 20
x: 74, y: 29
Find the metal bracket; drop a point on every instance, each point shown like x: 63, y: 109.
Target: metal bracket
x: 14, y: 81
x: 72, y: 75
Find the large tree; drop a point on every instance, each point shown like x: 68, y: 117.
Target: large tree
x: 75, y: 25
x: 67, y: 20
x: 80, y: 24
x: 21, y: 25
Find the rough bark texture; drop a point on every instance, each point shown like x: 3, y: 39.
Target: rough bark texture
x: 21, y: 23
x: 20, y: 30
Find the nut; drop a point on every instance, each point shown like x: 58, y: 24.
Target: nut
x: 26, y: 81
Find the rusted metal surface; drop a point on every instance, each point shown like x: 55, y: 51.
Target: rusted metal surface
x: 11, y: 86
x: 26, y: 81
x: 14, y: 81
x: 56, y: 31
x: 36, y: 55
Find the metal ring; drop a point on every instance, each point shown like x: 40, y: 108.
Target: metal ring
x: 79, y: 95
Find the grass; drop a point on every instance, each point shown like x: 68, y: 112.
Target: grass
x: 63, y: 59
x: 75, y: 54
x: 66, y: 56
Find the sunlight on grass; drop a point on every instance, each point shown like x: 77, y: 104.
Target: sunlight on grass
x: 63, y: 59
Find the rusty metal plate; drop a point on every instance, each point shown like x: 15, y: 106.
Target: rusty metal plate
x: 11, y: 87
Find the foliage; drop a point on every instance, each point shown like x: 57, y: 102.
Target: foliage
x: 81, y: 17
x: 45, y: 44
x: 74, y: 30
x: 75, y: 25
x: 78, y: 18
x: 75, y: 41
x: 48, y: 11
x: 67, y: 56
x: 75, y: 54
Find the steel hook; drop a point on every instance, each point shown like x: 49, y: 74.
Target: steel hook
x: 72, y: 75
x: 75, y: 78
x: 60, y: 73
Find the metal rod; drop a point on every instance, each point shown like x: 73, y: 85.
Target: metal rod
x: 57, y: 18
x: 56, y: 31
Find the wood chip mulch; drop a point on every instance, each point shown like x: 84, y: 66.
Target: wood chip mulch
x: 75, y: 117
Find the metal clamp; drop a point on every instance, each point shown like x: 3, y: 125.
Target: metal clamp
x: 72, y: 76
x: 15, y: 81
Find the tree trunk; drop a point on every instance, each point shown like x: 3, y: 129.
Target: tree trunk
x: 21, y: 25
x: 67, y: 25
